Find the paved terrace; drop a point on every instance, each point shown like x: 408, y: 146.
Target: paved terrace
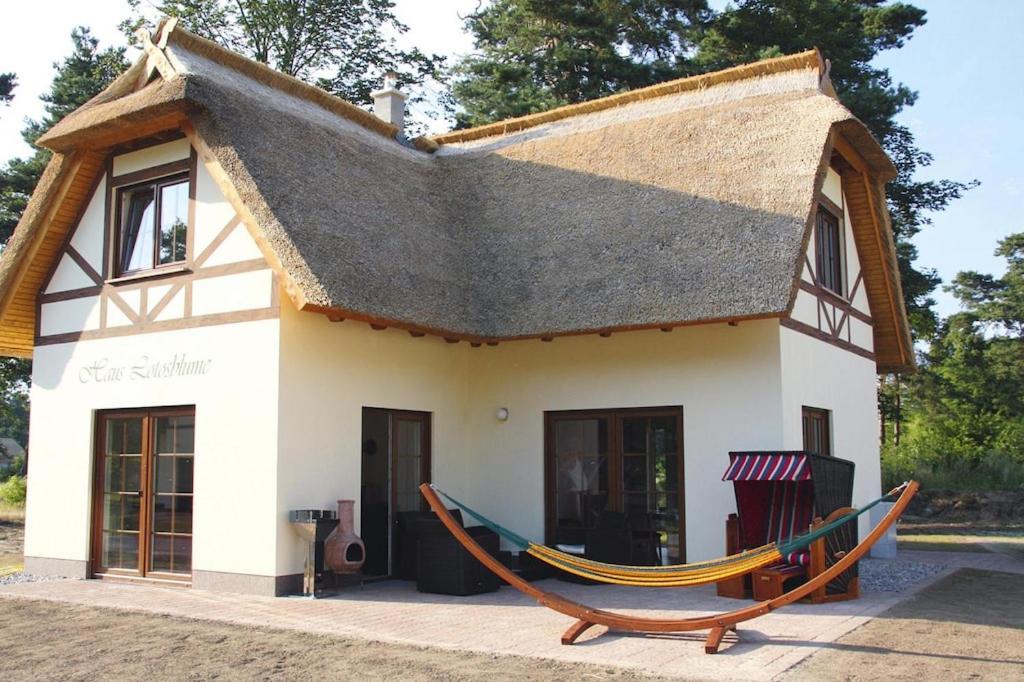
x: 507, y: 622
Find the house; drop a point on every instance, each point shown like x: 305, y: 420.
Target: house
x: 244, y: 296
x: 10, y: 452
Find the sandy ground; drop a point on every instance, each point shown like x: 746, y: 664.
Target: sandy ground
x: 49, y: 641
x: 969, y: 625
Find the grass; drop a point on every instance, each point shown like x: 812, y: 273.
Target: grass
x: 940, y: 543
x: 1005, y: 538
x: 12, y: 518
x: 12, y: 512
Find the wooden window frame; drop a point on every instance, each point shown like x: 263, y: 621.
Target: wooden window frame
x: 149, y: 415
x: 825, y: 416
x: 157, y: 176
x: 825, y: 273
x: 614, y: 417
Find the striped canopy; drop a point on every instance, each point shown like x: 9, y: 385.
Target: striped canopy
x: 768, y: 466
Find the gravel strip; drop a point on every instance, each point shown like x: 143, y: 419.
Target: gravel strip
x: 22, y: 577
x: 893, y: 575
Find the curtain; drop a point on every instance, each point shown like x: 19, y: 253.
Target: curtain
x: 138, y: 205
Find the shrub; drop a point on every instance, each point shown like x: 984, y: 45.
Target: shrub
x: 12, y: 491
x: 995, y: 470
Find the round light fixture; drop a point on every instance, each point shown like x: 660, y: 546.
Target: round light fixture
x: 501, y: 414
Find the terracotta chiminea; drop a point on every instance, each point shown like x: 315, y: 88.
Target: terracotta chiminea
x: 344, y: 552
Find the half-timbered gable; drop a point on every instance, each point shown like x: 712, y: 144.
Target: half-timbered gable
x: 831, y: 303
x: 209, y: 272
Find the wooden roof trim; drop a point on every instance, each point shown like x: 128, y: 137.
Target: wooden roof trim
x: 65, y: 168
x: 885, y: 245
x: 811, y: 59
x: 155, y: 58
x: 417, y: 331
x: 59, y: 200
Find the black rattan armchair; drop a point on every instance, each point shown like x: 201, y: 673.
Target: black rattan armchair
x: 444, y: 566
x: 407, y: 531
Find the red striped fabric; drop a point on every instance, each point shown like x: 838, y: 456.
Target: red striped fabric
x: 798, y: 559
x: 767, y: 466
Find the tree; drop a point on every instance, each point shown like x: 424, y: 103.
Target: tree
x: 968, y: 400
x: 79, y: 77
x: 343, y: 46
x: 534, y: 55
x: 7, y: 83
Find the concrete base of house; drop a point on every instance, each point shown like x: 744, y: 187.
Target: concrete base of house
x: 63, y: 568
x: 262, y: 585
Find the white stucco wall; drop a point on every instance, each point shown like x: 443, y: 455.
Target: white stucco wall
x: 726, y: 378
x: 817, y: 374
x: 329, y: 372
x: 236, y: 438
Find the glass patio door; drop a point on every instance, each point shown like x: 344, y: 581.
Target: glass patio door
x: 652, y: 475
x: 395, y: 461
x: 143, y: 512
x: 580, y: 449
x: 621, y: 460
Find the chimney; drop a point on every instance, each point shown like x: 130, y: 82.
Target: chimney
x: 389, y: 102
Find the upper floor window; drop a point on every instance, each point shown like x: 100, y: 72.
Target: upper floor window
x: 817, y: 427
x: 829, y: 246
x: 152, y: 224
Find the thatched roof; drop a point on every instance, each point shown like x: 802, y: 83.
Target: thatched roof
x: 687, y: 202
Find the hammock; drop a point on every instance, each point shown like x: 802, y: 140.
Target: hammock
x: 678, y: 575
x: 717, y: 624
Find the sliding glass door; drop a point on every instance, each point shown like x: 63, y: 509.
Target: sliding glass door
x: 628, y: 460
x: 143, y: 498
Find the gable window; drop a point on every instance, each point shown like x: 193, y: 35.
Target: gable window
x: 152, y: 224
x: 828, y: 244
x: 817, y: 438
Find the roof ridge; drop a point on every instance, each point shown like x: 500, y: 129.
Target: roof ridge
x: 808, y: 59
x: 278, y: 80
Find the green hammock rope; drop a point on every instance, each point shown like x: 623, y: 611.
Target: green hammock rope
x: 662, y: 575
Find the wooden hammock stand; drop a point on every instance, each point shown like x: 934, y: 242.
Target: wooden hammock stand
x: 717, y: 625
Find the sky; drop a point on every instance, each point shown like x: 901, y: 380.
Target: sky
x: 965, y: 63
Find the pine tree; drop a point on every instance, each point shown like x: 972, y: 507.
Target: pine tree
x: 967, y: 402
x: 533, y: 55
